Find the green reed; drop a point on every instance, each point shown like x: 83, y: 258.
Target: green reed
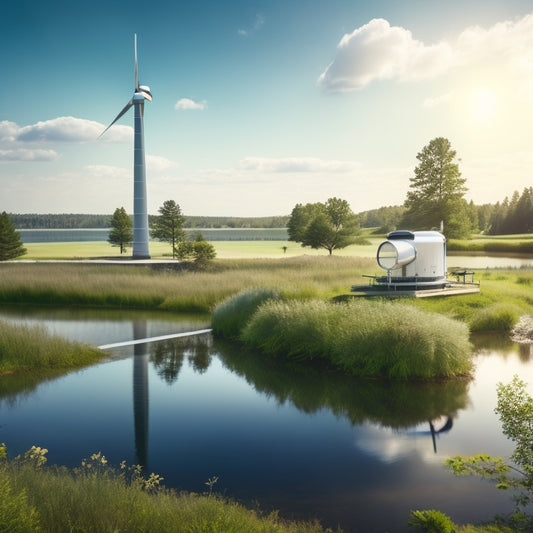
x: 173, y: 289
x: 364, y: 338
x: 33, y: 349
x: 98, y: 498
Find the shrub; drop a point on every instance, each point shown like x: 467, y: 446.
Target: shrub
x: 230, y: 317
x: 363, y: 338
x: 497, y: 317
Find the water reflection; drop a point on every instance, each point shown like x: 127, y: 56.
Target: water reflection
x: 140, y: 394
x: 396, y: 405
x: 168, y: 356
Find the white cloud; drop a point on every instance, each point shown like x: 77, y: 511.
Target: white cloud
x: 188, y: 104
x: 61, y: 130
x: 24, y: 154
x: 157, y: 163
x: 107, y: 172
x: 379, y: 51
x: 258, y: 23
x: 297, y: 164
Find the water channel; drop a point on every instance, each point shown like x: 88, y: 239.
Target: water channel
x: 359, y: 454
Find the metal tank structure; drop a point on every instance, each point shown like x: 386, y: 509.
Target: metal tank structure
x: 413, y: 260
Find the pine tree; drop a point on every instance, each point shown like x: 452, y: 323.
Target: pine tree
x: 168, y: 226
x: 121, y: 233
x: 437, y: 192
x: 10, y: 243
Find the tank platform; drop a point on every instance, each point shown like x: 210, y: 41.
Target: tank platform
x: 382, y: 287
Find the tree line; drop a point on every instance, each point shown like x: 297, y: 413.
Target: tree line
x: 86, y: 221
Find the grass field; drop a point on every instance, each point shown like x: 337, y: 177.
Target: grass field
x: 160, y: 250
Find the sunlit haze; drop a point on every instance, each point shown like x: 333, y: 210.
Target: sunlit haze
x: 260, y: 105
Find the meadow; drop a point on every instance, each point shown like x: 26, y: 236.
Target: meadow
x: 234, y: 249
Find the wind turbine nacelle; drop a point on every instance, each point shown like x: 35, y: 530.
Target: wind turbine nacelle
x: 145, y: 91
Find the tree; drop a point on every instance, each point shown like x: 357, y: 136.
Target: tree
x: 515, y: 407
x: 437, y: 192
x: 168, y: 226
x: 121, y: 233
x: 331, y: 226
x: 10, y: 243
x: 198, y: 250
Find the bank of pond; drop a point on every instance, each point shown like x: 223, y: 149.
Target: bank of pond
x: 228, y: 427
x: 296, y: 343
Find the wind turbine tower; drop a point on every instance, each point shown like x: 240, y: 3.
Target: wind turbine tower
x: 140, y: 213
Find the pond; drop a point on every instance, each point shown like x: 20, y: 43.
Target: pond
x: 358, y: 454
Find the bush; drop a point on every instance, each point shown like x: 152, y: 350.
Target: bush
x: 497, y: 317
x: 231, y: 316
x: 363, y: 338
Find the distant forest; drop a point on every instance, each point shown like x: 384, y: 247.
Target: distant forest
x: 514, y: 215
x: 77, y: 221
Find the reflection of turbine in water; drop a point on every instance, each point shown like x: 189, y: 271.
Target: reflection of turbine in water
x: 434, y: 432
x: 140, y: 394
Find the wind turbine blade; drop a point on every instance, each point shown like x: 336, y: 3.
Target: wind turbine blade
x: 126, y: 107
x: 136, y: 69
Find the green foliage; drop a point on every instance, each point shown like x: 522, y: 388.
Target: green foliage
x: 364, y: 338
x: 33, y: 349
x: 515, y: 407
x: 514, y: 216
x: 231, y: 316
x: 437, y: 192
x: 330, y: 226
x: 16, y: 514
x: 199, y: 251
x: 10, y: 243
x: 432, y: 521
x: 98, y: 497
x: 121, y: 233
x: 168, y: 226
x: 496, y: 317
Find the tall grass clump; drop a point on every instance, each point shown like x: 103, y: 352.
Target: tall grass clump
x: 32, y: 349
x: 496, y: 317
x: 98, y: 498
x: 231, y: 316
x: 364, y: 338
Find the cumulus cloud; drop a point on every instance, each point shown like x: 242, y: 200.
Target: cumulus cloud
x: 24, y: 154
x: 296, y: 164
x: 188, y: 104
x: 61, y: 130
x: 379, y: 51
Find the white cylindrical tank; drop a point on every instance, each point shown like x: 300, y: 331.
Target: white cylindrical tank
x: 414, y: 257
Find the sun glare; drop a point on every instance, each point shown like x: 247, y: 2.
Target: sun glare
x: 484, y: 105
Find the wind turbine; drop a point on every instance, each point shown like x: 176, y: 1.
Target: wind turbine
x: 140, y: 213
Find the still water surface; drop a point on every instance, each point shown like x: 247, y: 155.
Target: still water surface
x: 352, y: 453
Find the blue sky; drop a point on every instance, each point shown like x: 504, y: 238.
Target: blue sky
x: 260, y: 105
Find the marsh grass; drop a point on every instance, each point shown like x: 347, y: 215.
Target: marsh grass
x: 32, y: 349
x: 495, y: 317
x: 98, y: 498
x: 230, y: 317
x: 364, y: 338
x: 174, y: 290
